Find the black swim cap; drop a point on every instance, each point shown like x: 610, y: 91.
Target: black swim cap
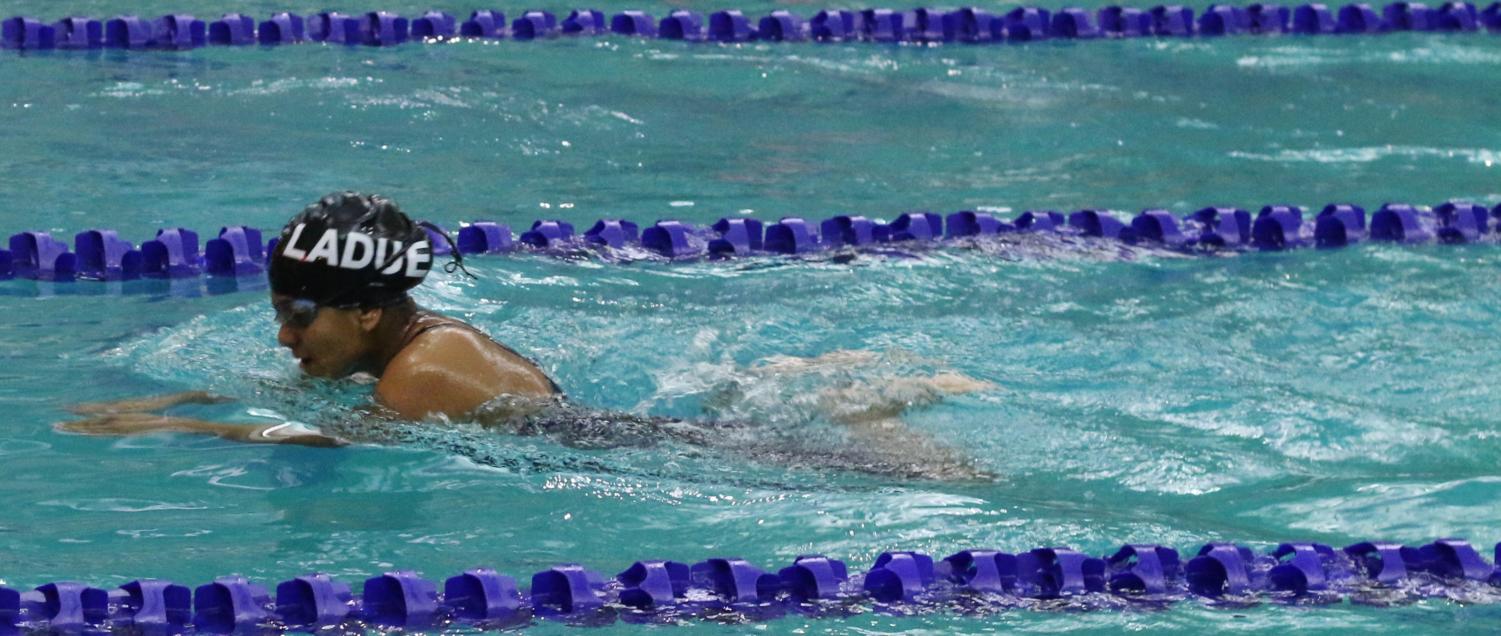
x: 349, y: 250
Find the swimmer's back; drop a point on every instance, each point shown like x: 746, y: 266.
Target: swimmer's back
x: 447, y: 367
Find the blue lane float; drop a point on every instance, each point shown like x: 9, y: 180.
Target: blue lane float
x: 1339, y: 225
x: 434, y: 24
x: 282, y: 28
x: 970, y: 25
x: 487, y: 25
x: 585, y: 22
x: 719, y: 588
x: 333, y: 28
x: 534, y: 25
x: 234, y: 29
x: 240, y: 251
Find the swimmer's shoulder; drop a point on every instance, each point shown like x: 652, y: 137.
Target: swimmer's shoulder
x: 454, y: 371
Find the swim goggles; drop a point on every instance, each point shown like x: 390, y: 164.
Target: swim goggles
x: 298, y: 312
x: 301, y: 312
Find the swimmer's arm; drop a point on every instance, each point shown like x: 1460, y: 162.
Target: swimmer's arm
x: 882, y: 402
x: 144, y: 404
x: 126, y: 424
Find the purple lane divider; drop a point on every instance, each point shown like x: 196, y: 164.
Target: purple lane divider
x: 672, y: 239
x: 1124, y: 22
x: 172, y: 254
x: 735, y: 581
x: 737, y: 237
x: 1278, y: 227
x: 78, y: 33
x: 846, y: 230
x: 177, y: 32
x: 836, y: 26
x: 1039, y: 221
x: 654, y: 584
x: 10, y: 609
x: 434, y: 25
x: 312, y: 602
x: 383, y: 28
x: 1314, y: 19
x: 153, y: 607
x: 682, y: 25
x: 127, y: 32
x: 400, y: 599
x: 1359, y: 18
x: 1220, y: 569
x: 1026, y: 24
x: 791, y: 235
x: 1173, y: 21
x: 482, y: 595
x: 613, y: 233
x: 229, y: 605
x: 545, y: 234
x: 972, y: 25
x: 566, y: 590
x: 730, y: 26
x: 1461, y: 221
x: 971, y: 223
x: 1383, y: 562
x: 585, y: 22
x: 1143, y: 569
x: 634, y: 23
x: 1222, y: 19
x: 237, y: 252
x: 67, y: 607
x: 233, y: 29
x: 103, y: 255
x: 1304, y: 568
x: 1159, y: 226
x: 1399, y: 223
x: 1339, y: 225
x: 899, y: 576
x: 915, y: 226
x: 1074, y: 23
x: 486, y: 24
x: 485, y: 237
x: 1058, y: 572
x: 282, y: 28
x: 1407, y: 16
x: 1222, y: 227
x: 334, y: 28
x: 984, y: 571
x: 1267, y: 18
x: 22, y: 32
x: 1098, y: 223
x: 782, y: 26
x: 814, y: 577
x: 38, y: 256
x: 1453, y: 559
x: 534, y: 25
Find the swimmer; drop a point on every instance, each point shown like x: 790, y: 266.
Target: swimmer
x: 340, y: 279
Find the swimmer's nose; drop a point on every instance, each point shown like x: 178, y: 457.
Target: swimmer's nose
x: 286, y: 336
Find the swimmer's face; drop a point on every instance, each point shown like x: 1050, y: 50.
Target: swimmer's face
x: 328, y: 342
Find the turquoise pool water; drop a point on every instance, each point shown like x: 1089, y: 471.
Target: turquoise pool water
x: 1329, y: 396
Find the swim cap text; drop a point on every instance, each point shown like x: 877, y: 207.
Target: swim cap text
x: 358, y: 251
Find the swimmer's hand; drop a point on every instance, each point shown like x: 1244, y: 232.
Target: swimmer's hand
x: 126, y: 424
x: 888, y: 399
x: 780, y: 364
x: 148, y: 404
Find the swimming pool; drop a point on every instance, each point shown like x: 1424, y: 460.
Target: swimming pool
x: 1328, y: 396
